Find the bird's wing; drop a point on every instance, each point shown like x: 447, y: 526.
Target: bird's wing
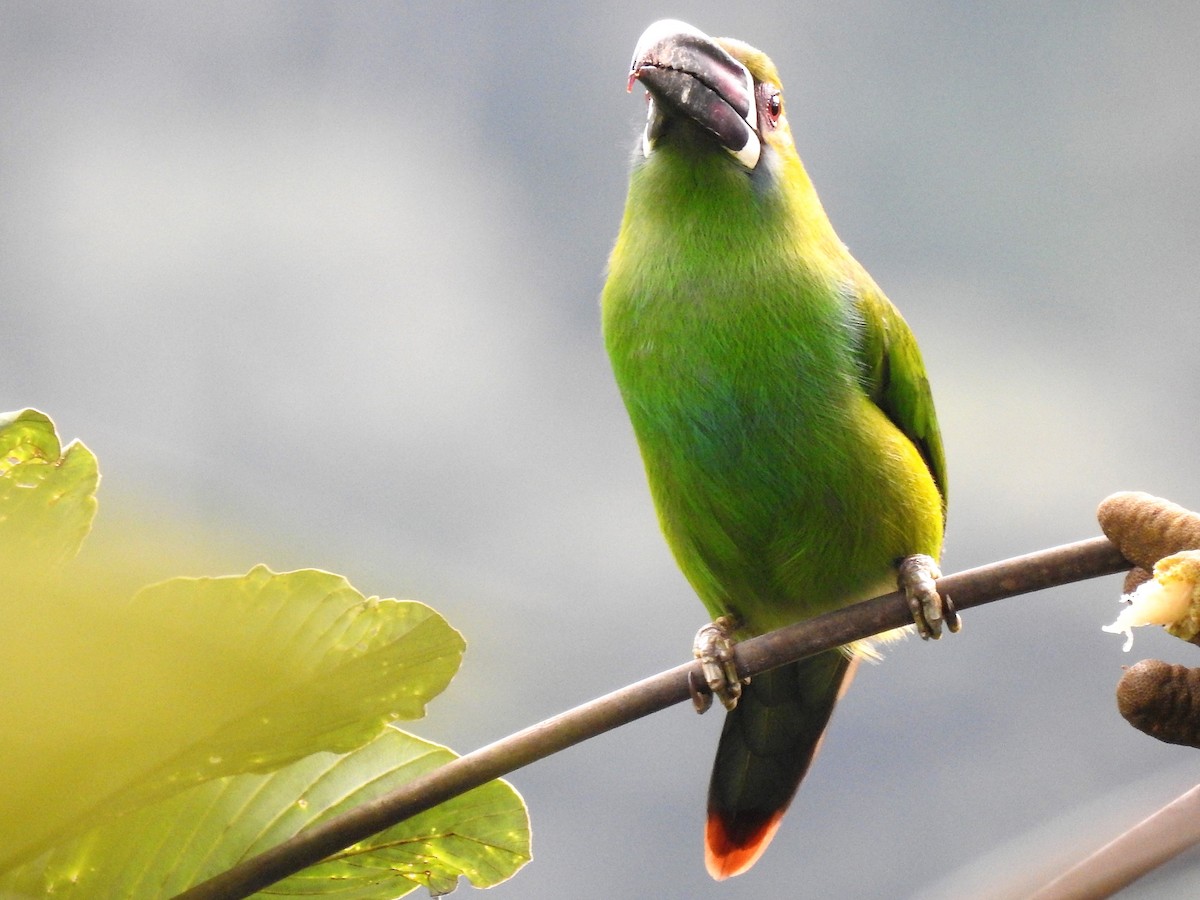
x: 893, y: 374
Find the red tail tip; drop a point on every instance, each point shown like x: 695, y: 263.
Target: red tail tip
x: 730, y: 848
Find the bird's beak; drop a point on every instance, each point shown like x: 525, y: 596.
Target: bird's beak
x: 688, y: 74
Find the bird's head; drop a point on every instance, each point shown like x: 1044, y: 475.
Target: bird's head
x: 718, y: 93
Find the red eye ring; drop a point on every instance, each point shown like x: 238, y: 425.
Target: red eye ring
x: 774, y: 105
x: 770, y: 103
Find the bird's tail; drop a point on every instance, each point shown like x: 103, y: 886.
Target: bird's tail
x: 766, y: 746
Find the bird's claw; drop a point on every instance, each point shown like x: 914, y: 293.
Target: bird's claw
x: 714, y: 648
x: 930, y: 610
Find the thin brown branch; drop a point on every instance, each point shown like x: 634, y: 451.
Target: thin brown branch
x: 1020, y: 575
x: 1147, y: 845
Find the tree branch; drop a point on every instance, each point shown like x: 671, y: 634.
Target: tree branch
x: 1159, y: 837
x: 1019, y: 575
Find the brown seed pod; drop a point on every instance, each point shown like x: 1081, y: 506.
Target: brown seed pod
x: 1146, y: 528
x: 1162, y: 700
x: 1135, y: 578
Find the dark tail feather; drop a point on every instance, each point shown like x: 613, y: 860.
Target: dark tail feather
x: 766, y: 746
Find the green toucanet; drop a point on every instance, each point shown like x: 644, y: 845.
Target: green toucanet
x: 779, y: 401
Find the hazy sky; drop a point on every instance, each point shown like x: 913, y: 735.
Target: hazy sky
x: 319, y: 282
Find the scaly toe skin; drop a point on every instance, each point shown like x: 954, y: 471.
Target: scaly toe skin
x: 714, y: 648
x: 950, y: 614
x: 930, y: 611
x: 701, y: 695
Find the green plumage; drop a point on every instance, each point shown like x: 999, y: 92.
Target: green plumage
x: 778, y: 398
x: 782, y: 411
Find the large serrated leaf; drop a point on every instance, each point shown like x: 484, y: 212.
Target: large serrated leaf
x: 337, y: 666
x: 47, y: 494
x: 109, y: 705
x: 160, y: 850
x: 151, y: 743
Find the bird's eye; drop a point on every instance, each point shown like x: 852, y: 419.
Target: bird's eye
x: 774, y: 105
x: 771, y: 103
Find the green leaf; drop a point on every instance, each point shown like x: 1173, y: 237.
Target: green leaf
x: 150, y: 743
x: 26, y: 435
x: 337, y: 666
x: 110, y: 705
x: 482, y: 835
x: 163, y: 849
x: 47, y: 496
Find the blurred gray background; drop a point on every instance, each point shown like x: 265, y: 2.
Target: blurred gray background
x: 318, y: 283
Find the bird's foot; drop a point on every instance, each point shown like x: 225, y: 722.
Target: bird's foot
x: 930, y: 610
x: 714, y: 648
